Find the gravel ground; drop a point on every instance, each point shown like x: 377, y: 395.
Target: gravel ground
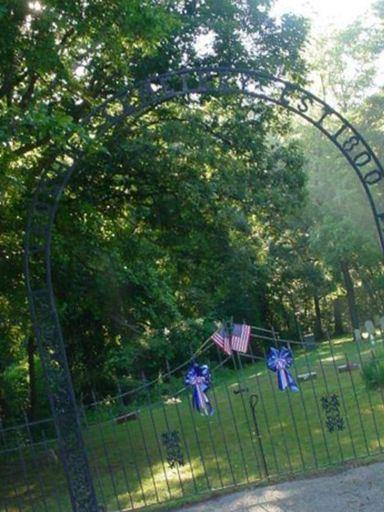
x: 354, y: 490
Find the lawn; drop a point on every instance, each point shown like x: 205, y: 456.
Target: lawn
x: 129, y: 460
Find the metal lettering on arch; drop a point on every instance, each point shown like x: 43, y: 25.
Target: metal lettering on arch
x: 135, y: 101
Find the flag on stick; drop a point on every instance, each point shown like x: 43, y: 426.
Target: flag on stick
x: 223, y: 340
x: 240, y: 337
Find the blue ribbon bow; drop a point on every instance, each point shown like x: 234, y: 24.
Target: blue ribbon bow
x: 199, y: 378
x: 279, y: 361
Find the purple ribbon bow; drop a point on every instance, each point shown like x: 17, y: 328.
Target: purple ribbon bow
x: 279, y: 361
x: 199, y: 378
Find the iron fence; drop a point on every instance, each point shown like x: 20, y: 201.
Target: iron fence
x: 149, y: 446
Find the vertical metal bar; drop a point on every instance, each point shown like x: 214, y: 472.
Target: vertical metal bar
x: 358, y: 407
x: 302, y: 397
x: 328, y: 393
x: 277, y: 344
x: 319, y: 415
x: 112, y: 420
x: 191, y: 412
x: 346, y: 412
x: 106, y: 455
x: 370, y: 400
x: 54, y: 489
x: 241, y: 382
x: 149, y: 459
x: 137, y: 470
x: 253, y: 399
x: 159, y: 449
x: 2, y: 435
x: 125, y: 469
x: 11, y: 483
x: 273, y: 388
x: 222, y: 431
x: 26, y: 480
x: 97, y: 474
x: 275, y: 337
x: 4, y: 504
x: 267, y: 421
x: 8, y: 500
x: 213, y: 446
x: 149, y: 407
x: 33, y: 457
x: 287, y: 392
x: 237, y: 433
x: 374, y: 359
x: 93, y: 461
x: 169, y: 429
x: 185, y: 443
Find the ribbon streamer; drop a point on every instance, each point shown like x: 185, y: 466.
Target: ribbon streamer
x: 199, y: 378
x: 279, y: 361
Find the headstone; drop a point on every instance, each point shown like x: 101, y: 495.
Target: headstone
x: 303, y: 377
x: 349, y: 367
x: 369, y: 327
x: 48, y: 457
x: 240, y: 390
x: 173, y: 400
x: 53, y: 456
x: 357, y: 335
x: 309, y: 340
x: 127, y: 417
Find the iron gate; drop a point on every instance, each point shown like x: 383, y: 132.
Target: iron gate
x: 148, y: 446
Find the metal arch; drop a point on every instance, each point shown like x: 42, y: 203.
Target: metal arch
x: 130, y: 102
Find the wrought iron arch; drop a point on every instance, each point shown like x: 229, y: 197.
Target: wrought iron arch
x: 135, y: 101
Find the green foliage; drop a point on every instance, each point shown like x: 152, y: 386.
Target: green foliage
x: 373, y: 374
x: 156, y: 224
x: 195, y: 212
x: 14, y: 388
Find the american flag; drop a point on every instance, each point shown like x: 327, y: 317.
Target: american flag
x: 223, y: 340
x: 240, y: 337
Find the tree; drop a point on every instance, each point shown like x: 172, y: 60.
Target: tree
x: 165, y: 209
x: 342, y: 233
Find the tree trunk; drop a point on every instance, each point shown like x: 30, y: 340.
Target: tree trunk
x: 297, y: 325
x: 338, y: 319
x: 265, y: 312
x: 31, y: 349
x: 286, y: 317
x: 318, y: 331
x: 348, y: 283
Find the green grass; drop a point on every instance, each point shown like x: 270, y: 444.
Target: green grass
x: 223, y: 451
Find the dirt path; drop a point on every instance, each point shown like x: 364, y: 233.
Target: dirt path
x: 354, y: 490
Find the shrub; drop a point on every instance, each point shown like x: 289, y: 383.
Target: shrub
x: 373, y: 374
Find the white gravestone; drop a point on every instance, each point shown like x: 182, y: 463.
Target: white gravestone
x: 369, y: 327
x: 357, y: 335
